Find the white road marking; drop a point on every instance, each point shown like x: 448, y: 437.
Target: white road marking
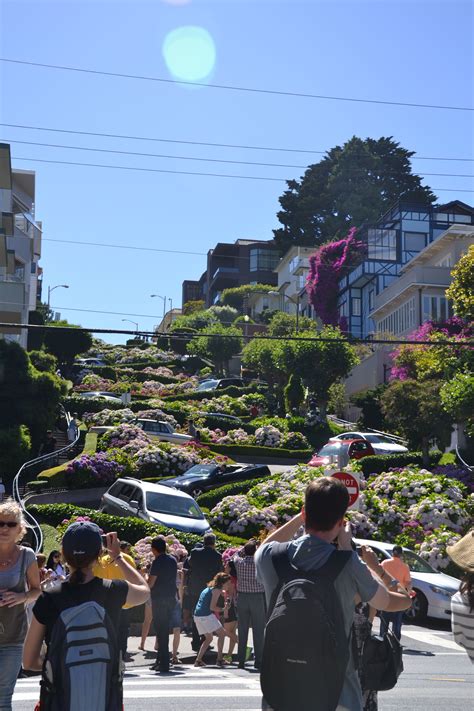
x: 431, y: 639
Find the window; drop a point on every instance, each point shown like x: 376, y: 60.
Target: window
x: 382, y: 244
x: 414, y: 241
x: 401, y: 320
x: 445, y: 217
x: 436, y: 308
x: 446, y: 261
x: 263, y: 259
x: 126, y: 492
x: 344, y: 308
x: 356, y: 306
x: 371, y: 299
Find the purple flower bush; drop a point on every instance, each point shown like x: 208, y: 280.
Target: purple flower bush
x: 92, y: 470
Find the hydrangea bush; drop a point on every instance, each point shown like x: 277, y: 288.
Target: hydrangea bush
x: 108, y: 417
x: 123, y: 435
x: 92, y: 470
x: 165, y: 459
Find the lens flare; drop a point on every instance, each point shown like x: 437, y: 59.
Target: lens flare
x: 189, y: 53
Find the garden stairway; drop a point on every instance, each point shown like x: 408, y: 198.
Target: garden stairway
x: 62, y: 441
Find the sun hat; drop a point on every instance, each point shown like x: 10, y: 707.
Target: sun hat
x: 82, y: 538
x: 462, y: 553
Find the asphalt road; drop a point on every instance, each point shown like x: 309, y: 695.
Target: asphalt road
x: 437, y: 676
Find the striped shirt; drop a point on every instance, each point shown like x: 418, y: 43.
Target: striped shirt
x: 246, y: 574
x: 462, y: 623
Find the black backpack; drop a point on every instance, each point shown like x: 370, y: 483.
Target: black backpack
x: 83, y: 668
x: 306, y: 649
x: 381, y: 662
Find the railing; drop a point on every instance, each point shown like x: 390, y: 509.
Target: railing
x: 353, y: 425
x: 31, y: 522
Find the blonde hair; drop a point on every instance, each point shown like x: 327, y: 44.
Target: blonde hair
x: 11, y: 508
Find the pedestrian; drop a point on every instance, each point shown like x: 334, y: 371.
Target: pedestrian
x: 147, y: 618
x: 107, y: 569
x: 327, y: 679
x: 162, y: 582
x: 203, y: 564
x: 462, y: 602
x: 206, y: 617
x: 55, y: 565
x: 70, y: 619
x: 230, y: 603
x: 192, y: 429
x: 19, y: 586
x: 251, y: 610
x: 73, y: 428
x: 2, y: 490
x: 48, y: 445
x: 398, y: 570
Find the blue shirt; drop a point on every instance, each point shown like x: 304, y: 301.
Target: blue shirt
x: 203, y: 605
x: 310, y: 553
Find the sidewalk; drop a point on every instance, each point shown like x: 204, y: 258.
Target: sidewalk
x: 186, y: 654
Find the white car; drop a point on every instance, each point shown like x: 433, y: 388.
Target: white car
x: 100, y: 395
x: 155, y: 429
x: 381, y: 444
x: 433, y: 589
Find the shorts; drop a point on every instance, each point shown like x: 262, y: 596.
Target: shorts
x: 207, y: 624
x: 175, y: 620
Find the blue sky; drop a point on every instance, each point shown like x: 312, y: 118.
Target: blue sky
x: 407, y: 51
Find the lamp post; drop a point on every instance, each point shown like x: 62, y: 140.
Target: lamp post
x: 134, y: 323
x: 296, y: 302
x: 154, y: 296
x: 52, y: 288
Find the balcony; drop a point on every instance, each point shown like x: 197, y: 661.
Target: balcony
x: 299, y: 266
x: 25, y: 224
x: 415, y: 278
x: 222, y: 271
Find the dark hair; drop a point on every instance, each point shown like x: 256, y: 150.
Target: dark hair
x: 159, y: 544
x: 50, y: 562
x: 467, y: 589
x: 125, y: 544
x: 219, y: 580
x: 397, y: 551
x: 209, y: 539
x: 326, y: 502
x: 78, y: 563
x: 250, y: 547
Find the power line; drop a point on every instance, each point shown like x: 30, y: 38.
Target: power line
x: 187, y: 172
x: 206, y: 160
x: 229, y: 87
x: 199, y: 143
x: 187, y: 336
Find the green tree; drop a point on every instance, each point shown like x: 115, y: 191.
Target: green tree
x: 337, y: 399
x: 283, y: 324
x: 369, y: 402
x: 66, y: 345
x: 219, y: 344
x: 35, y: 335
x: 352, y: 184
x: 195, y: 321
x: 190, y: 307
x: 294, y: 394
x: 414, y: 409
x: 224, y: 314
x: 259, y: 355
x: 457, y: 397
x: 461, y: 291
x: 44, y: 362
x: 235, y: 296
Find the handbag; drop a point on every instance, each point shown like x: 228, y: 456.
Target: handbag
x: 381, y: 661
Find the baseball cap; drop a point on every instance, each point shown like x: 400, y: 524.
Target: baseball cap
x: 82, y: 538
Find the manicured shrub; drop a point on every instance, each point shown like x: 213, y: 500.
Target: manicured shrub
x: 210, y: 498
x: 254, y: 451
x: 370, y: 466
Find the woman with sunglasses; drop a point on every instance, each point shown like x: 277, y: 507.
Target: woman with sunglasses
x: 19, y: 586
x: 54, y: 564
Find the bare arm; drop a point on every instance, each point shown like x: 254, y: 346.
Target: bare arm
x: 287, y: 531
x: 216, y: 593
x: 32, y: 649
x: 10, y: 598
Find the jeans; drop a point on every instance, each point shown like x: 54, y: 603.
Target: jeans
x: 123, y: 631
x: 162, y: 616
x: 396, y: 618
x: 10, y: 665
x: 251, y: 612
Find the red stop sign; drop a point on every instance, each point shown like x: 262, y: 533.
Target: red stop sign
x: 351, y: 484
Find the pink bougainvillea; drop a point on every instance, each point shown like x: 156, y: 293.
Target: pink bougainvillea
x: 327, y: 266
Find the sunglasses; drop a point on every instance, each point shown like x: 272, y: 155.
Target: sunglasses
x: 8, y: 524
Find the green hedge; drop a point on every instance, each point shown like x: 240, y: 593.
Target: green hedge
x: 56, y: 476
x: 209, y: 499
x: 378, y: 464
x: 233, y: 450
x: 81, y: 405
x: 128, y: 528
x: 232, y: 391
x: 224, y: 424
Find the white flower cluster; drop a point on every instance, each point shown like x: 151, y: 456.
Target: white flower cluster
x: 165, y: 460
x: 109, y: 417
x: 268, y: 436
x: 237, y: 516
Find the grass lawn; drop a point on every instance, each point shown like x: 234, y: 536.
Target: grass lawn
x: 50, y: 542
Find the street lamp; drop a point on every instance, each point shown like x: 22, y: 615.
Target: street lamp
x: 296, y: 302
x: 52, y: 288
x: 154, y: 296
x: 134, y: 323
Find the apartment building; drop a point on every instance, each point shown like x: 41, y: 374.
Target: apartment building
x: 20, y: 247
x: 230, y: 264
x: 401, y: 234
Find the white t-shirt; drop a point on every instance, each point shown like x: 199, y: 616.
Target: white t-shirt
x: 462, y: 623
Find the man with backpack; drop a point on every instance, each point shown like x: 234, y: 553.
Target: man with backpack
x: 78, y: 621
x: 312, y: 584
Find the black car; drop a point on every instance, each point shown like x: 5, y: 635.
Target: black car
x: 203, y: 477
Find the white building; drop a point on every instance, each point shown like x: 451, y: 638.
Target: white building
x: 20, y: 247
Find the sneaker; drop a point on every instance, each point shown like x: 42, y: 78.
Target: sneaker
x: 248, y: 653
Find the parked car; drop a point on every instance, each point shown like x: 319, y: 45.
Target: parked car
x: 154, y: 503
x: 433, y: 589
x: 339, y: 452
x: 203, y: 477
x: 89, y: 362
x: 220, y: 384
x: 100, y: 395
x: 232, y: 419
x: 155, y: 429
x: 380, y: 443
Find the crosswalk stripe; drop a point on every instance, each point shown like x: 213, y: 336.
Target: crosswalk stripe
x: 431, y: 639
x: 162, y: 693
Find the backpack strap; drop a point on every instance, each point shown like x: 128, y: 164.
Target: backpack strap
x: 335, y: 564
x: 283, y: 568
